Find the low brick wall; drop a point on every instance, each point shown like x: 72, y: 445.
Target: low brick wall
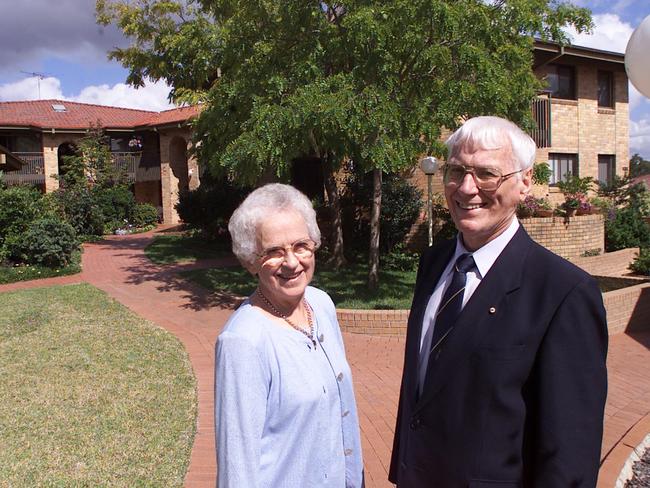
x: 568, y: 237
x: 373, y: 322
x: 628, y: 309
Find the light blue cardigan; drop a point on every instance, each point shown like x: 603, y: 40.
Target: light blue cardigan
x: 285, y: 411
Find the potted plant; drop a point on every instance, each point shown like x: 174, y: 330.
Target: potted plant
x: 542, y: 173
x: 534, y: 207
x: 575, y: 190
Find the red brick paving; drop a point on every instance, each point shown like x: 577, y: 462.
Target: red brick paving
x: 118, y: 266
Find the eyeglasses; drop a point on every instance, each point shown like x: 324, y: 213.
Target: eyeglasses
x: 275, y: 256
x: 485, y: 178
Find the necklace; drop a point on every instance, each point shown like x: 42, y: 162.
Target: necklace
x: 310, y: 334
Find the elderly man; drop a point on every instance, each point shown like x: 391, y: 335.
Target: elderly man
x: 504, y: 379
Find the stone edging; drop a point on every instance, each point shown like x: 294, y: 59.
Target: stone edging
x: 616, y: 466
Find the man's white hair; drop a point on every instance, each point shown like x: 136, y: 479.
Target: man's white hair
x: 488, y: 132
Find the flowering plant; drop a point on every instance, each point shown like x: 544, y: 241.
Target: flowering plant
x: 532, y: 206
x: 135, y: 142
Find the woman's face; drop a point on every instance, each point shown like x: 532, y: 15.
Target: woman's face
x: 283, y: 281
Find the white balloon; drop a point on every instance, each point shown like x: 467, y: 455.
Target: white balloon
x: 637, y: 57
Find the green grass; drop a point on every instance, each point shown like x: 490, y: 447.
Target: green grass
x: 91, y: 394
x: 347, y: 287
x: 12, y: 274
x: 181, y: 249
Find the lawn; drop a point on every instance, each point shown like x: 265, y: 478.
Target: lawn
x: 91, y: 394
x: 182, y: 249
x: 348, y: 287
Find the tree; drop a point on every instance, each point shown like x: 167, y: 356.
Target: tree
x: 639, y: 166
x: 368, y: 80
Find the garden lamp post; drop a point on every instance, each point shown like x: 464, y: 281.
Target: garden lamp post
x: 637, y: 57
x: 429, y: 165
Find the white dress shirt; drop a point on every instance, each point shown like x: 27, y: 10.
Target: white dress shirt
x: 484, y: 257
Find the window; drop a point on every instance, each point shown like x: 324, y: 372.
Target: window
x: 605, y: 89
x: 562, y: 165
x: 561, y: 81
x: 606, y: 168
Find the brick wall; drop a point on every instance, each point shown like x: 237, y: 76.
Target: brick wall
x: 569, y: 238
x: 628, y: 310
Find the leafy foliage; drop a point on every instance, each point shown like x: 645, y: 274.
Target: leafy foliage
x: 641, y: 263
x: 115, y: 203
x: 144, y: 214
x: 625, y: 228
x: 48, y: 242
x: 78, y: 206
x: 639, y: 166
x: 208, y: 208
x: 19, y: 207
x: 401, y: 205
x: 542, y: 173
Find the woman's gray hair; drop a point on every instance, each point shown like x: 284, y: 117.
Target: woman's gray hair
x: 265, y: 203
x: 488, y: 132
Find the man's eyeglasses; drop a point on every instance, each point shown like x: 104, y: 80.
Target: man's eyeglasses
x: 485, y: 178
x: 275, y: 256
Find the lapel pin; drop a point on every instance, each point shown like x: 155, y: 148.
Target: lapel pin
x: 493, y: 310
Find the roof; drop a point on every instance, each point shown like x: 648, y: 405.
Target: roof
x: 65, y: 115
x: 642, y: 179
x: 556, y: 51
x: 9, y: 162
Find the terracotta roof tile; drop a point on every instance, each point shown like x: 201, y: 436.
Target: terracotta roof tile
x: 41, y: 114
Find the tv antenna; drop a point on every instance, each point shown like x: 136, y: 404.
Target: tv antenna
x: 39, y: 77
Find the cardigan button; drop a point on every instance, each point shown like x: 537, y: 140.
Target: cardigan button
x: 415, y: 423
x: 339, y: 377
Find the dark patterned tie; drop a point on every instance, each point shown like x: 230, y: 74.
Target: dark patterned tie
x: 448, y: 311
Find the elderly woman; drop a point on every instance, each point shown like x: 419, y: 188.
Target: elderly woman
x: 285, y: 409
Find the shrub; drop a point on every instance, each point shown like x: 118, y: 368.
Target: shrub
x: 19, y: 207
x: 625, y: 228
x: 116, y: 205
x: 401, y: 204
x: 79, y: 208
x: 641, y: 263
x: 48, y: 242
x: 208, y: 208
x: 144, y: 214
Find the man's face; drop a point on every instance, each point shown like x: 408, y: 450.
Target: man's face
x: 479, y: 215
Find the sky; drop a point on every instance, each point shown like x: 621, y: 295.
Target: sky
x: 55, y: 50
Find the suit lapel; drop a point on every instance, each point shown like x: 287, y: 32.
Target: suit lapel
x: 476, y: 320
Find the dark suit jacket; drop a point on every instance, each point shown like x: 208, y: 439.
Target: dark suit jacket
x: 516, y: 395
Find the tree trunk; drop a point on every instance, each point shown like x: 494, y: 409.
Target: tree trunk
x: 338, y: 256
x: 373, y: 257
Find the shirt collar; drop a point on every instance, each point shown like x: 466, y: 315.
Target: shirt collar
x: 485, y: 256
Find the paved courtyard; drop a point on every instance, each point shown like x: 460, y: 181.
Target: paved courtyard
x: 118, y: 266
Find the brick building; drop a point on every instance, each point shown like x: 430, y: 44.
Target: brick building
x: 151, y: 146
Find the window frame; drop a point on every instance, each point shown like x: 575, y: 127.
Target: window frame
x: 560, y: 158
x: 610, y: 161
x: 562, y: 71
x: 608, y: 78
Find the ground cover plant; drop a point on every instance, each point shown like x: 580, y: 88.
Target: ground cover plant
x: 91, y: 394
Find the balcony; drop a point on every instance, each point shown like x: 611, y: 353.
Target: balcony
x: 32, y: 172
x: 135, y: 168
x: 541, y: 109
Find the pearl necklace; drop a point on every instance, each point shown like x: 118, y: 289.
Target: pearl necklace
x: 310, y: 334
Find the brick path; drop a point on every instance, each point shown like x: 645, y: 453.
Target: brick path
x: 118, y: 266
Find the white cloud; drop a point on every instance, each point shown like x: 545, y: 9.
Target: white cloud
x: 610, y: 34
x: 153, y: 96
x: 640, y: 137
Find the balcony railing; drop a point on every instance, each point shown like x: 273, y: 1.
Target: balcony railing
x: 542, y: 115
x: 33, y: 171
x: 131, y: 164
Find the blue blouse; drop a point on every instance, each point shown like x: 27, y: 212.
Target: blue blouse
x: 285, y: 411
